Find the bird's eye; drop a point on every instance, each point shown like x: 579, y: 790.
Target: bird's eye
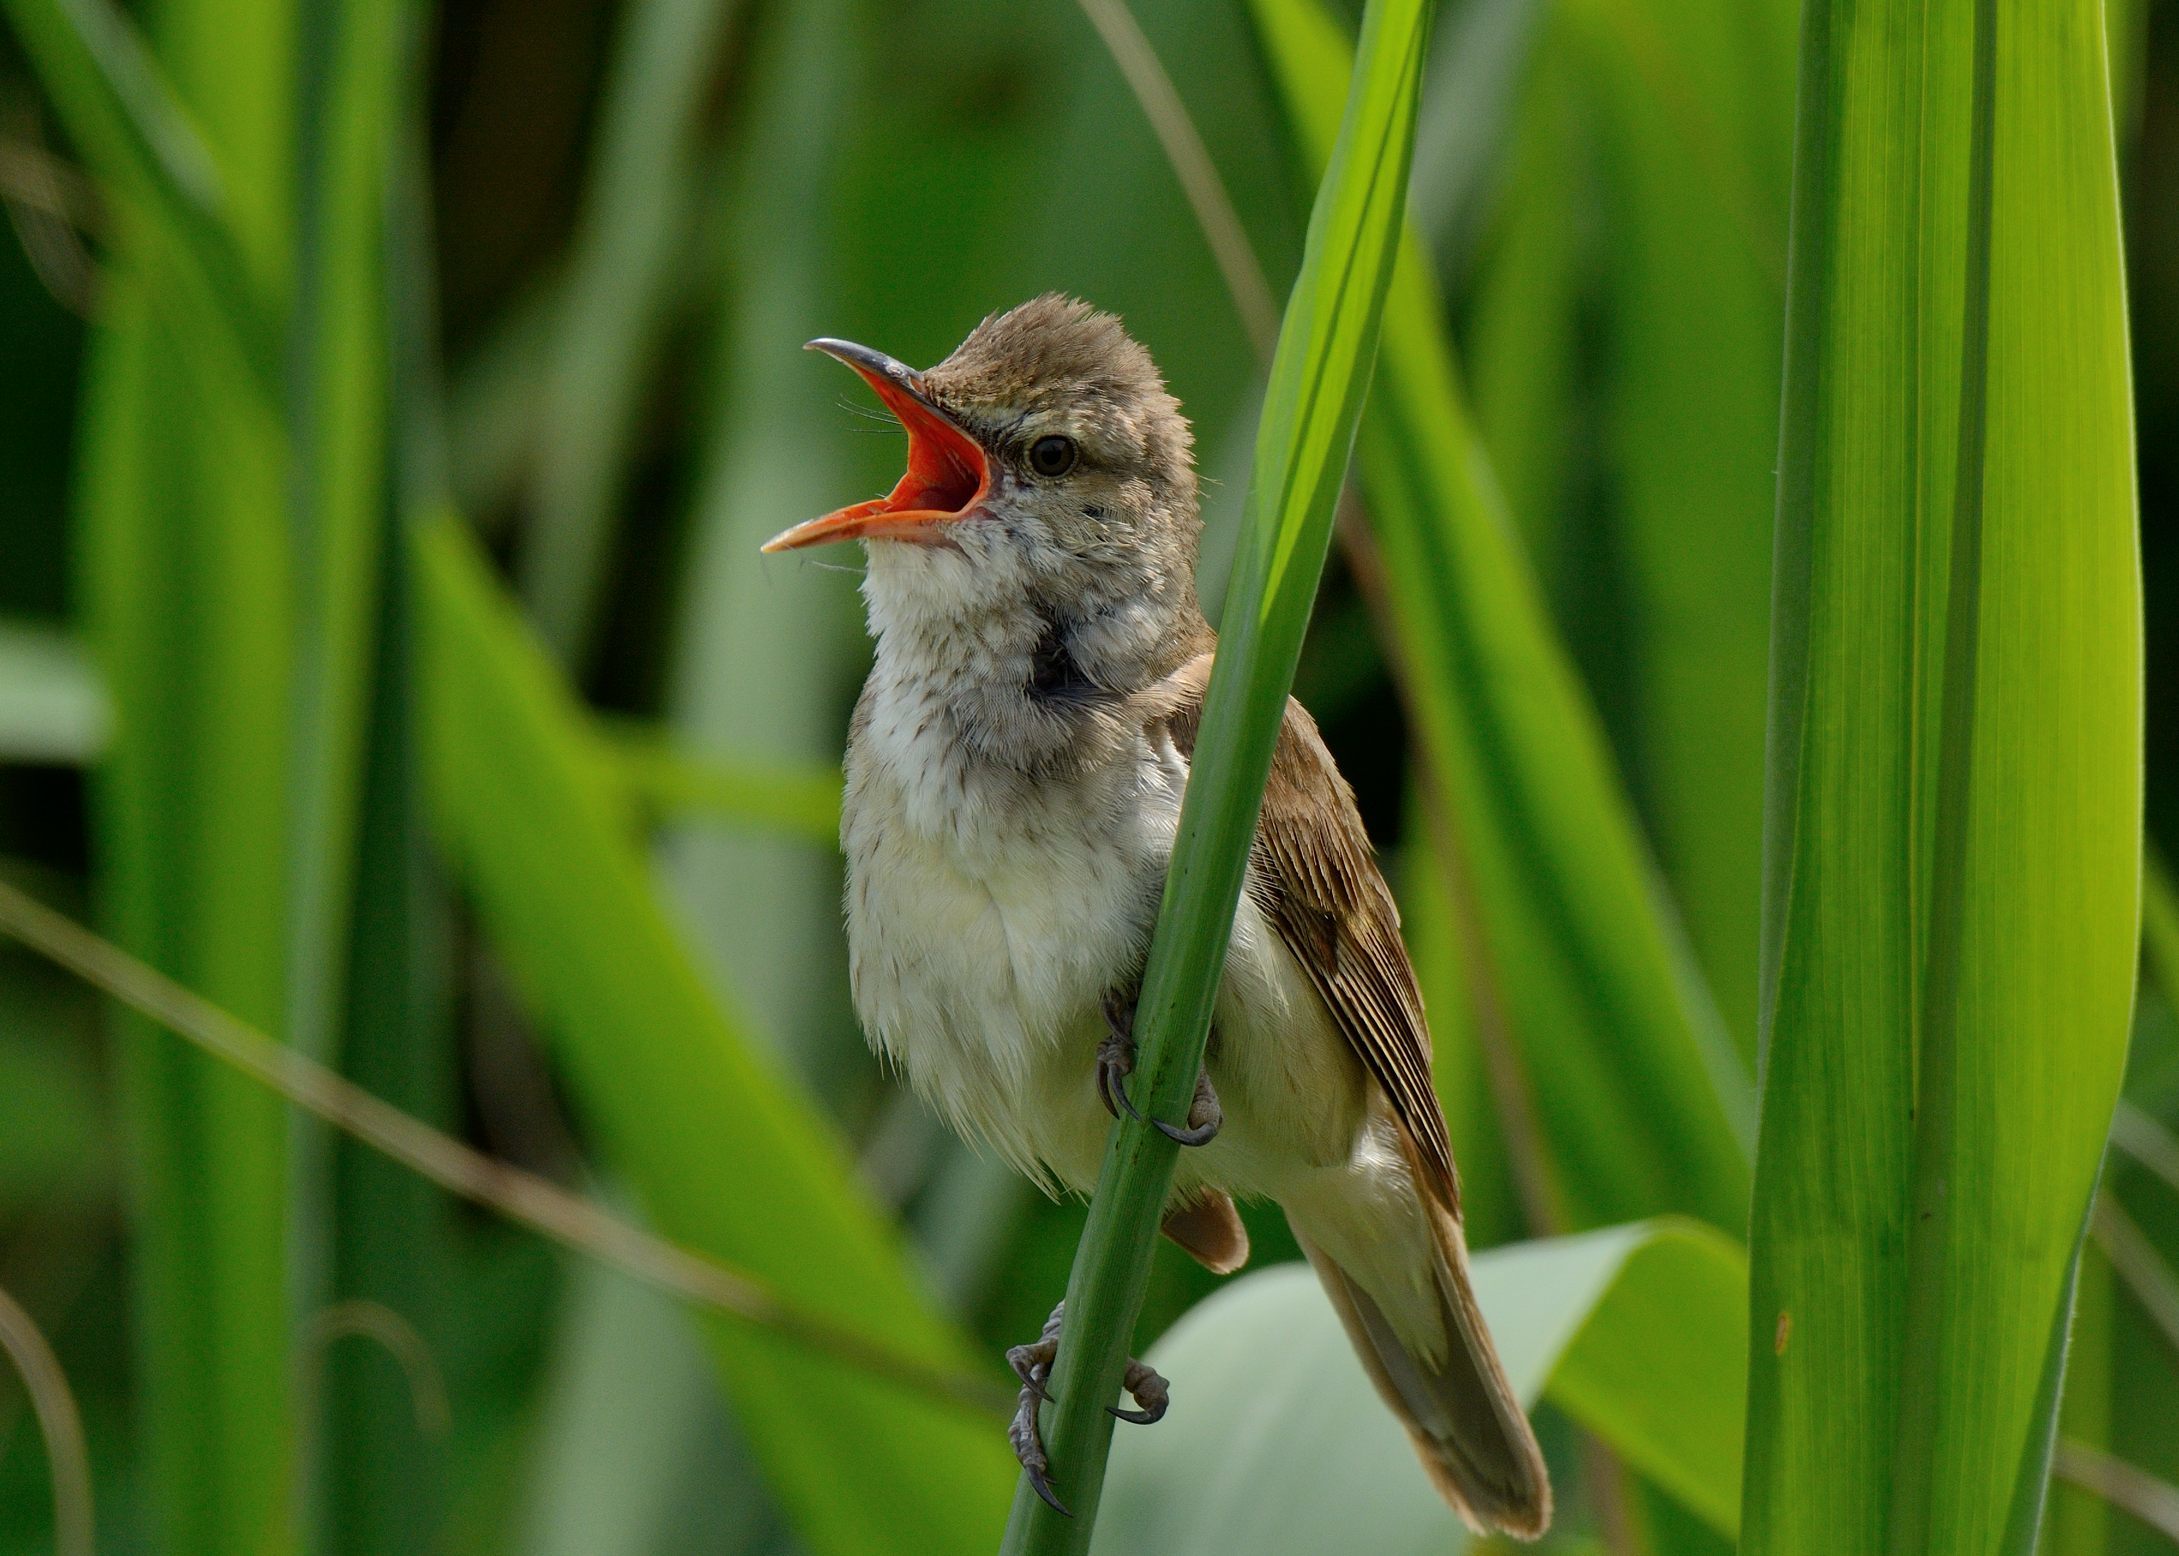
x: 1052, y: 456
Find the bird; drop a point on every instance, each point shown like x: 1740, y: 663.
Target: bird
x: 1014, y: 772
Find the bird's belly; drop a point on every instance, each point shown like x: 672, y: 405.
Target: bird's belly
x: 983, y: 974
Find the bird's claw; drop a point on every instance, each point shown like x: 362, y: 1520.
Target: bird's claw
x: 1116, y: 1061
x: 1151, y: 1392
x: 1032, y: 1363
x: 1116, y: 1056
x: 1205, y: 1116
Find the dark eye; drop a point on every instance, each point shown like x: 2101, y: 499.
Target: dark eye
x: 1052, y: 456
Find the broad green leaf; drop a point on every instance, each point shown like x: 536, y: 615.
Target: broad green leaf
x: 187, y: 613
x: 722, y: 1151
x: 1954, y: 845
x: 1637, y: 1092
x: 1318, y: 377
x: 1278, y: 1443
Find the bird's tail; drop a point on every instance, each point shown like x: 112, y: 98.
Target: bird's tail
x: 1466, y: 1422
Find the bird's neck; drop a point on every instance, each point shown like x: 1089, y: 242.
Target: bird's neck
x: 1021, y: 679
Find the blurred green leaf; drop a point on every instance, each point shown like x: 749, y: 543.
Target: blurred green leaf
x: 662, y: 778
x: 1472, y: 98
x: 383, y: 1481
x: 2078, y: 1522
x: 334, y: 412
x: 51, y: 1124
x: 761, y: 657
x: 1523, y: 345
x: 1694, y: 108
x: 1278, y: 1443
x: 187, y: 613
x: 611, y: 304
x: 625, y: 1408
x: 52, y: 707
x: 1318, y: 377
x: 1950, y: 926
x: 108, y: 86
x: 723, y: 1153
x: 1637, y: 1092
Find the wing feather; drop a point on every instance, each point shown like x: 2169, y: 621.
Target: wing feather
x: 1315, y: 877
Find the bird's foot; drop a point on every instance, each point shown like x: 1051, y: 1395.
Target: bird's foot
x: 1205, y: 1116
x: 1116, y: 1055
x: 1116, y: 1061
x: 1032, y: 1363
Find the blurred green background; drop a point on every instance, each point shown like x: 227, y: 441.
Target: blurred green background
x: 561, y: 882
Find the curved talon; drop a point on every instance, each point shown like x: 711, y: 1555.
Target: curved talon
x: 1151, y: 1392
x: 1032, y: 1363
x: 1200, y: 1134
x: 1043, y: 1488
x: 1035, y: 1375
x: 1205, y: 1116
x: 1115, y: 1062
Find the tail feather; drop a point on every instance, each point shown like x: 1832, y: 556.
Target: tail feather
x: 1466, y: 1423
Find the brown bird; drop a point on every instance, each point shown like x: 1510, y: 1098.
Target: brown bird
x: 1014, y: 776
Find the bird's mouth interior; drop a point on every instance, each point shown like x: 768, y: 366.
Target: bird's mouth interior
x: 947, y: 470
x: 947, y: 475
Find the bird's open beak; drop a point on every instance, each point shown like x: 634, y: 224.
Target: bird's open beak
x: 947, y: 476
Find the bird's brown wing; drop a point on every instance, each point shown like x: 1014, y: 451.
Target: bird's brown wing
x: 1315, y: 877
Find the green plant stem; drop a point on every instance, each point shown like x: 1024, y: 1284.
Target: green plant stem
x: 1326, y: 347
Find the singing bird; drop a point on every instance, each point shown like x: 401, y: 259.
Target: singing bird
x: 1014, y: 775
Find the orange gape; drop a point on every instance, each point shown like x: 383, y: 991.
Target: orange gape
x: 947, y: 476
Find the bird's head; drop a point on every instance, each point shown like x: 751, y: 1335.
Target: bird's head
x: 1049, y: 471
